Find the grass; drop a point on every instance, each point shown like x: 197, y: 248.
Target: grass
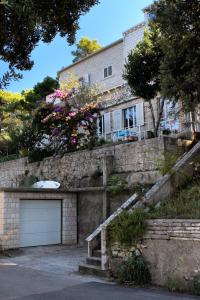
x: 184, y: 205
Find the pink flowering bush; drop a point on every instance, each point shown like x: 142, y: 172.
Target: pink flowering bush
x: 69, y: 127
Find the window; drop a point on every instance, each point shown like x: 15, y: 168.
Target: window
x: 107, y: 71
x: 130, y: 118
x: 169, y: 118
x: 81, y: 81
x: 84, y: 80
x: 104, y: 124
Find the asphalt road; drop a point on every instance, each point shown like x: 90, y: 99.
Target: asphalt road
x: 26, y: 284
x: 100, y: 291
x: 50, y: 273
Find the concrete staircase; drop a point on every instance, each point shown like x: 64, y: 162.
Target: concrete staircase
x: 93, y: 265
x: 97, y: 260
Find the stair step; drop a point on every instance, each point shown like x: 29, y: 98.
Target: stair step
x: 95, y: 261
x: 97, y: 253
x: 93, y: 270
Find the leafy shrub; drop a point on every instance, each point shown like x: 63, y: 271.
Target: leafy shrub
x: 37, y: 154
x: 196, y: 282
x: 134, y: 271
x: 172, y: 284
x: 116, y: 185
x: 128, y: 227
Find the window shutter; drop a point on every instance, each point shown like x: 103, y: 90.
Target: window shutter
x: 105, y: 72
x: 140, y: 113
x: 109, y: 70
x: 117, y: 120
x: 98, y: 127
x: 107, y: 124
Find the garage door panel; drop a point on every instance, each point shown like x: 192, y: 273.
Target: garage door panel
x: 33, y: 204
x: 30, y: 215
x: 38, y: 240
x: 40, y: 226
x: 40, y: 222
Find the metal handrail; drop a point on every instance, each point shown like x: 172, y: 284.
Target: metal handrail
x: 125, y: 205
x: 102, y: 230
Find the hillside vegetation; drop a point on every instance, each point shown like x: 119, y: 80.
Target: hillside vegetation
x: 185, y: 204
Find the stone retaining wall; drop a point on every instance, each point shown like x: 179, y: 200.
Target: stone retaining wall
x: 138, y: 160
x: 172, y: 249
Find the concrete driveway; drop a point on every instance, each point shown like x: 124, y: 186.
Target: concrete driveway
x: 50, y: 273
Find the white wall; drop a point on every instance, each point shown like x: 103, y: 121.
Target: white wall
x: 132, y: 37
x: 95, y: 65
x: 114, y: 56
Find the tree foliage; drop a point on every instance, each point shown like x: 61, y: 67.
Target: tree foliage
x: 179, y: 24
x: 168, y: 59
x: 24, y: 23
x: 142, y: 70
x: 16, y: 113
x: 39, y: 92
x: 83, y: 92
x: 12, y: 118
x: 85, y: 47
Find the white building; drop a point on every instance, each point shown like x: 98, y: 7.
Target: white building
x: 124, y: 116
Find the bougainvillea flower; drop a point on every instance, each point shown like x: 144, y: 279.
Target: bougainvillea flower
x: 70, y: 125
x: 59, y: 109
x: 72, y: 114
x: 58, y: 94
x: 55, y: 131
x: 74, y: 141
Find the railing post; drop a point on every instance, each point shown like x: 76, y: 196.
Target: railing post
x: 104, y: 257
x: 90, y: 249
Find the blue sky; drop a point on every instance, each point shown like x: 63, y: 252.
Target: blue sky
x: 105, y: 22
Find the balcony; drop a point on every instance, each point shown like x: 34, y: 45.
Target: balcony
x: 137, y: 133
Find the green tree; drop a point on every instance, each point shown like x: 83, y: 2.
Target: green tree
x: 16, y: 114
x: 39, y: 92
x: 24, y: 23
x: 179, y: 25
x: 142, y: 71
x: 85, y: 47
x: 11, y: 111
x: 12, y: 118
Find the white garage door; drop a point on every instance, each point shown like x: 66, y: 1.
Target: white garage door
x: 40, y: 222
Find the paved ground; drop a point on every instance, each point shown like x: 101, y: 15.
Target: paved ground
x: 50, y: 273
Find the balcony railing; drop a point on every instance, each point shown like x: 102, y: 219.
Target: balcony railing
x: 146, y: 131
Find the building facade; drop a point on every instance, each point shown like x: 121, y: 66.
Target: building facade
x: 124, y: 116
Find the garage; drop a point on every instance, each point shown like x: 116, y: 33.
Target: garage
x: 40, y: 222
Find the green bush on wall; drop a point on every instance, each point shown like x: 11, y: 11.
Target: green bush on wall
x: 196, y: 282
x: 116, y: 185
x: 128, y: 228
x: 36, y: 154
x: 135, y: 271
